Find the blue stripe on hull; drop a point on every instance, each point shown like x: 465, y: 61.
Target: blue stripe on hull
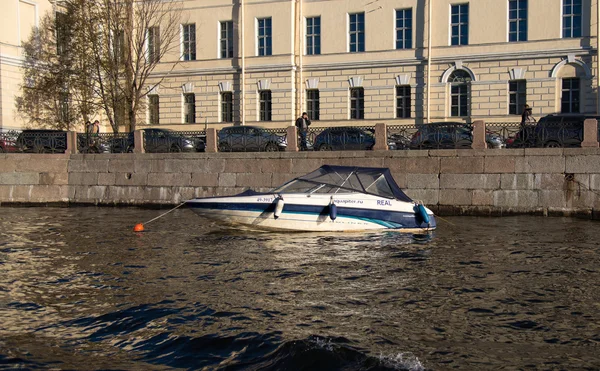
x: 387, y: 219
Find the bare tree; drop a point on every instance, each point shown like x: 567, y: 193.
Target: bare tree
x: 129, y: 39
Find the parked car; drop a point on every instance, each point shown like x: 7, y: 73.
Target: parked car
x: 159, y: 141
x: 550, y: 131
x: 42, y: 141
x: 250, y: 139
x: 344, y: 138
x: 8, y: 142
x: 450, y: 135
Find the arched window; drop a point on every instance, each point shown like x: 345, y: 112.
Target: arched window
x: 459, y: 93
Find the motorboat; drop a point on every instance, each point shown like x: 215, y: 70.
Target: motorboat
x: 331, y: 198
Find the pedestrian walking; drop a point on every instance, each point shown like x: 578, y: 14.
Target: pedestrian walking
x: 526, y: 116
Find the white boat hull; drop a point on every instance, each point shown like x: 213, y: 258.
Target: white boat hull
x: 355, y: 212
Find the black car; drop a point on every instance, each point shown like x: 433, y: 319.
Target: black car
x: 250, y: 139
x: 450, y: 135
x: 160, y: 141
x: 344, y: 138
x: 552, y: 131
x: 42, y: 141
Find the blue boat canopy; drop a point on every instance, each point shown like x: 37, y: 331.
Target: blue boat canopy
x: 335, y: 179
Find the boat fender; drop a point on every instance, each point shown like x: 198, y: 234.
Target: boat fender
x: 332, y: 211
x: 422, y: 213
x: 278, y: 207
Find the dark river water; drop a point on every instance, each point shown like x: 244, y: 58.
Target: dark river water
x: 79, y: 290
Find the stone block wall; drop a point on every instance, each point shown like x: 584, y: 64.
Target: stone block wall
x: 459, y: 182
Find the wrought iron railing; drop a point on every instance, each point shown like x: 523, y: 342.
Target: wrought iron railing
x: 251, y: 139
x: 547, y: 133
x: 400, y: 136
x: 161, y: 141
x: 345, y: 138
x: 104, y: 142
x: 442, y: 136
x: 42, y: 141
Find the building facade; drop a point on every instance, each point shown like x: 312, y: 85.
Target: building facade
x: 17, y: 20
x: 355, y: 62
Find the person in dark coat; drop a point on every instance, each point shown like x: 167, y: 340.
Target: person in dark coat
x: 302, y: 123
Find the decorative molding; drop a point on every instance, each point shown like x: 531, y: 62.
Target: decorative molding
x: 449, y: 71
x: 154, y: 90
x: 571, y: 60
x: 517, y: 73
x: 264, y: 84
x: 188, y: 87
x: 312, y: 83
x: 355, y: 81
x: 225, y: 86
x: 403, y: 79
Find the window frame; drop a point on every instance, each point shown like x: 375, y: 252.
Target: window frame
x: 574, y: 96
x: 265, y: 105
x: 153, y: 44
x: 519, y: 94
x: 226, y: 39
x: 189, y: 109
x: 460, y: 81
x: 518, y: 35
x: 460, y: 38
x: 357, y: 103
x: 403, y: 101
x: 313, y: 104
x: 358, y: 46
x: 153, y: 109
x: 573, y: 30
x: 188, y: 47
x: 313, y: 39
x: 402, y: 41
x: 267, y: 38
x: 227, y: 106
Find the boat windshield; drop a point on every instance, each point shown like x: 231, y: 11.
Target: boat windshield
x: 346, y: 179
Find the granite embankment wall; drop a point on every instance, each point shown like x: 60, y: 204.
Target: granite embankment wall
x: 477, y: 182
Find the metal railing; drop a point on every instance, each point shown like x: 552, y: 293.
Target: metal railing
x: 104, y: 142
x: 43, y: 141
x: 8, y: 141
x: 399, y: 137
x: 345, y: 138
x: 438, y: 136
x: 163, y: 141
x: 251, y: 139
x: 547, y: 133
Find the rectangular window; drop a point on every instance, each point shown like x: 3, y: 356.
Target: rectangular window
x: 227, y: 106
x: 312, y: 104
x: 357, y: 33
x: 459, y: 23
x: 118, y: 46
x: 517, y: 20
x: 153, y: 41
x: 357, y: 103
x: 570, y: 96
x: 61, y: 33
x: 404, y: 29
x: 571, y: 18
x: 264, y: 37
x: 189, y: 108
x: 63, y: 112
x: 189, y: 42
x: 459, y: 94
x: 153, y: 112
x: 226, y: 40
x: 517, y: 95
x: 313, y: 35
x: 403, y: 101
x: 265, y: 105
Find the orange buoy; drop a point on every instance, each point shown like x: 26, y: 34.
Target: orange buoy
x: 138, y: 227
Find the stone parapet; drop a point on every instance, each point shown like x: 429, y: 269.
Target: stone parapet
x: 544, y: 181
